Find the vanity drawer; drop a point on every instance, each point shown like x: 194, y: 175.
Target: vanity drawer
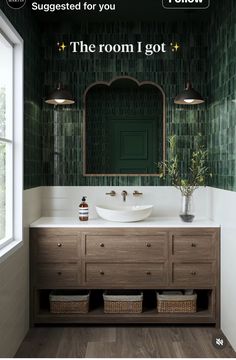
x: 57, y: 275
x: 126, y: 247
x: 135, y: 275
x: 193, y: 246
x: 61, y: 248
x: 193, y: 274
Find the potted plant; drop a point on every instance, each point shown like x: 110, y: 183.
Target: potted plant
x: 187, y: 182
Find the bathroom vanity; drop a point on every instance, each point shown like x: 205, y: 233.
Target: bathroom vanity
x: 150, y: 255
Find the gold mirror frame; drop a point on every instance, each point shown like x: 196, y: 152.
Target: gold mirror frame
x: 108, y: 84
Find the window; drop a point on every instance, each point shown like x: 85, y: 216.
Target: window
x: 6, y: 143
x: 11, y: 137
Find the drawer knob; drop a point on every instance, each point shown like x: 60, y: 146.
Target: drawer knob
x: 59, y: 244
x: 102, y: 245
x: 102, y: 272
x: 59, y: 273
x: 149, y: 273
x: 148, y: 245
x: 193, y: 273
x: 194, y: 245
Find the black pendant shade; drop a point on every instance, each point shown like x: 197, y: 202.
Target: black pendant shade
x: 60, y: 96
x: 189, y: 96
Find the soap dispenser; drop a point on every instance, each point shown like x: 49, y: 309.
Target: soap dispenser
x: 83, y: 210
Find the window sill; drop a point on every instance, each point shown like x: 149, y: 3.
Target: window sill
x: 9, y: 249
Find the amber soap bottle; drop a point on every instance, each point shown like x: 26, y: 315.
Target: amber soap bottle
x: 83, y: 210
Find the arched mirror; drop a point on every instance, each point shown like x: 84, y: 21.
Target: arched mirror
x: 124, y: 128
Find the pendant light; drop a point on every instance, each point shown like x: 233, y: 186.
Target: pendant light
x: 189, y: 96
x: 60, y: 96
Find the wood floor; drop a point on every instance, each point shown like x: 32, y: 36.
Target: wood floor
x: 121, y: 342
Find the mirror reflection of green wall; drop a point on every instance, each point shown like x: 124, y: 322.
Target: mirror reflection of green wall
x: 124, y: 128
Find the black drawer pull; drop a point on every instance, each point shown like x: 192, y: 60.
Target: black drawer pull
x: 193, y: 273
x: 102, y: 245
x: 149, y: 273
x: 194, y: 245
x: 102, y: 272
x: 148, y: 245
x: 59, y: 245
x: 59, y: 273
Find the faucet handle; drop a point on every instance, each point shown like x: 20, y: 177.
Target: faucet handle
x: 111, y: 193
x: 137, y: 193
x: 124, y: 194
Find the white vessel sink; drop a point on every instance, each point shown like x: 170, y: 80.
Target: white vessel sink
x: 124, y: 213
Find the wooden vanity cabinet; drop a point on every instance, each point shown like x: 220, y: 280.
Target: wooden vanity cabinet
x: 125, y: 258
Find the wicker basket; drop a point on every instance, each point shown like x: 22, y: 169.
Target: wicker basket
x: 69, y: 303
x: 171, y: 303
x: 122, y: 302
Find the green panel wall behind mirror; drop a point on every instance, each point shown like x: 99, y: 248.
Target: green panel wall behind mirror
x: 124, y: 128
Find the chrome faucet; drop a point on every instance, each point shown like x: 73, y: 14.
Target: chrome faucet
x: 124, y: 195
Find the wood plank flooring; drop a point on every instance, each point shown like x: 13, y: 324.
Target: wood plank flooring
x: 121, y: 342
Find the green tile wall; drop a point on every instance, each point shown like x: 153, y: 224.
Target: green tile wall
x: 119, y: 102
x: 62, y: 129
x: 221, y: 117
x: 213, y: 72
x: 27, y: 27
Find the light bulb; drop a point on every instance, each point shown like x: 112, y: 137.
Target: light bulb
x: 60, y: 101
x: 189, y: 101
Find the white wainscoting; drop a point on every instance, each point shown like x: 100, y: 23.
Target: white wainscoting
x: 64, y: 201
x: 14, y: 283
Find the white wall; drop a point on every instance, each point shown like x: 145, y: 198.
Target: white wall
x: 64, y: 201
x: 14, y: 283
x: 223, y: 210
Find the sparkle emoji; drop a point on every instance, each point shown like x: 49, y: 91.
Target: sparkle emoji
x: 175, y: 47
x: 61, y: 46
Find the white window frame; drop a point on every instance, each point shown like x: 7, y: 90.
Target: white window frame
x: 11, y: 244
x: 7, y: 140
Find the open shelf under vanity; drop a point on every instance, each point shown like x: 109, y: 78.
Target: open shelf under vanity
x: 205, y: 311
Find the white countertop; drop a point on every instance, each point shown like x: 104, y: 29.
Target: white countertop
x: 152, y: 222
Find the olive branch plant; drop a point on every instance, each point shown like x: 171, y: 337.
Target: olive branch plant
x: 197, y: 173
